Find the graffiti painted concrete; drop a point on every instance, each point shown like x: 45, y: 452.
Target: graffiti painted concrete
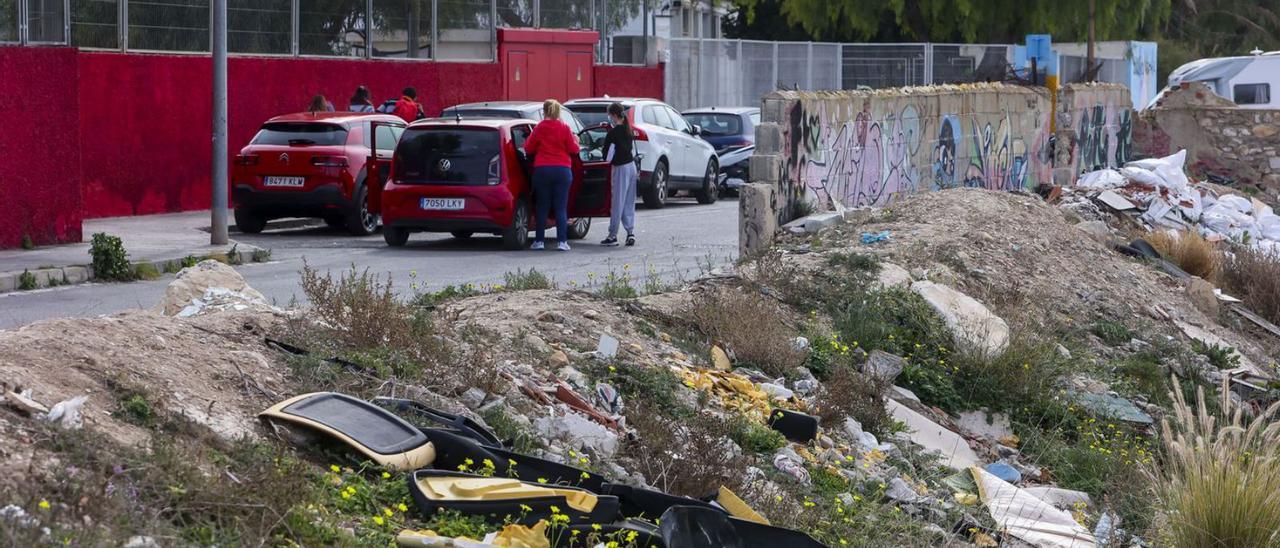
x: 857, y: 148
x: 1094, y: 129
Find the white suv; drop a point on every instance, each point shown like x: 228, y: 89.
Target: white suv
x: 672, y: 155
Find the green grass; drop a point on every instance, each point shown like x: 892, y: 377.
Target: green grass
x: 522, y: 280
x: 657, y: 385
x: 754, y: 437
x: 135, y: 409
x: 522, y: 439
x: 27, y: 281
x: 145, y: 271
x: 1112, y: 333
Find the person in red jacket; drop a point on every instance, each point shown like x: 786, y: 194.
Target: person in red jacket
x: 408, y: 107
x: 552, y: 146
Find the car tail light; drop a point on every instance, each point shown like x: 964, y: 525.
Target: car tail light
x: 329, y: 161
x: 639, y: 134
x: 495, y: 170
x: 246, y: 160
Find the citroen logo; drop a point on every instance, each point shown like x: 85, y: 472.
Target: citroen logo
x: 284, y: 158
x: 445, y: 164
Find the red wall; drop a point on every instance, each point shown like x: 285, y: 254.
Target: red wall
x: 620, y: 81
x: 161, y: 113
x: 39, y: 149
x: 128, y: 134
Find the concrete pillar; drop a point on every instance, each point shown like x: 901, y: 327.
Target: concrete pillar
x: 757, y: 217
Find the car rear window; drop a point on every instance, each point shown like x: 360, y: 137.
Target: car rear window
x: 446, y: 155
x: 489, y: 113
x: 716, y: 124
x: 300, y: 134
x: 591, y: 115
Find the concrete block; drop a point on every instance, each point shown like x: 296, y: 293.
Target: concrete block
x: 769, y: 139
x: 75, y: 274
x: 757, y: 218
x: 955, y: 451
x: 43, y: 275
x: 970, y: 321
x: 819, y: 221
x: 8, y: 281
x: 766, y: 168
x: 774, y: 110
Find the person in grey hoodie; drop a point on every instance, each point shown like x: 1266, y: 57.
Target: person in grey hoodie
x: 618, y: 150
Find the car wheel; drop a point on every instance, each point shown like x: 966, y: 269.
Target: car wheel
x: 360, y: 221
x: 516, y: 236
x: 461, y: 234
x: 395, y: 237
x: 249, y: 222
x: 578, y: 228
x: 708, y: 193
x: 335, y: 221
x: 655, y: 196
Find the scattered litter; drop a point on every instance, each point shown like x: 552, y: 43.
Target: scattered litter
x: 900, y: 491
x: 737, y: 507
x: 735, y: 392
x: 579, y: 430
x: 1102, y: 179
x: 789, y: 463
x: 776, y: 391
x: 869, y: 238
x: 955, y: 451
x: 23, y: 402
x: 1115, y: 201
x: 565, y: 394
x: 797, y: 427
x: 607, y: 347
x: 527, y: 502
x: 1026, y: 517
x: 66, y: 413
x: 1063, y: 499
x: 992, y: 426
x: 609, y: 398
x: 1004, y: 472
x: 371, y: 430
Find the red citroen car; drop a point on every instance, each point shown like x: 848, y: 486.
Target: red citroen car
x: 311, y: 165
x: 471, y: 176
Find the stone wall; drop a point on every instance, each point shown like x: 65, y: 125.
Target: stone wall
x: 1093, y: 129
x: 1225, y: 144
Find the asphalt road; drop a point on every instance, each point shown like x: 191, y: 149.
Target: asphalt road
x: 677, y: 242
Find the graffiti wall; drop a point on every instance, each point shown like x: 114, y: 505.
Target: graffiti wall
x: 1093, y: 128
x: 858, y: 148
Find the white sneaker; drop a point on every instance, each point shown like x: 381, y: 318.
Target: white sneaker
x: 563, y: 246
x: 538, y: 246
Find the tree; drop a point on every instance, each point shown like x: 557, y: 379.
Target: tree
x: 969, y: 21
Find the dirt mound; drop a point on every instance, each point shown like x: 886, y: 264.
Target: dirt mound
x: 1023, y: 258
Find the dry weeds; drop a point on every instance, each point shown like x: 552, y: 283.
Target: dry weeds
x: 751, y: 326
x: 1190, y: 251
x: 1254, y: 276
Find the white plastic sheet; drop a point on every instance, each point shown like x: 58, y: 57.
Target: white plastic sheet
x: 1027, y: 517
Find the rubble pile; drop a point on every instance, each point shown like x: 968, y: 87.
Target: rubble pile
x: 1159, y: 193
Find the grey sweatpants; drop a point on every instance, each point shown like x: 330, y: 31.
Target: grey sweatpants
x: 624, y: 199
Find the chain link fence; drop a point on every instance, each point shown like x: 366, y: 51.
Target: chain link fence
x: 739, y: 72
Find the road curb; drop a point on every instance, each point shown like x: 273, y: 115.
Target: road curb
x: 11, y: 281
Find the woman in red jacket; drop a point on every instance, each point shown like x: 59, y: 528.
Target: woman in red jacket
x: 552, y: 146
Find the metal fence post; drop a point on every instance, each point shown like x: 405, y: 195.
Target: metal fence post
x: 122, y: 25
x: 368, y: 29
x: 774, y: 83
x: 808, y: 69
x: 537, y: 14
x: 928, y: 64
x: 840, y: 65
x: 218, y: 204
x: 66, y: 22
x: 295, y: 27
x: 22, y: 23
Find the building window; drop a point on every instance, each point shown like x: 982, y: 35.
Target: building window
x: 466, y: 26
x: 1252, y: 94
x: 169, y: 25
x: 259, y: 26
x: 686, y: 22
x: 95, y: 23
x: 402, y: 28
x: 46, y: 21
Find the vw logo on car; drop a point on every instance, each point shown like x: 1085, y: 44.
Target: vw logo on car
x: 445, y: 165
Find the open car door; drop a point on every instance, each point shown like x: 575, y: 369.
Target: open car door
x: 383, y: 137
x: 591, y: 193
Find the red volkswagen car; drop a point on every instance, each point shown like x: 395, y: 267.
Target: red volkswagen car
x: 311, y: 165
x: 471, y: 176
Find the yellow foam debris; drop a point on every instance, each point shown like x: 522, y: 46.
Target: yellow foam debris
x: 737, y: 507
x: 735, y: 392
x: 462, y: 488
x: 427, y: 537
x: 519, y: 536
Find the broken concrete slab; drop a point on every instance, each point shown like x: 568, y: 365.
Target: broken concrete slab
x: 1201, y: 294
x: 902, y: 394
x: 883, y: 366
x: 922, y: 431
x: 1115, y: 201
x: 969, y: 320
x: 982, y: 424
x: 194, y: 283
x: 776, y: 391
x: 577, y: 429
x: 891, y: 276
x: 720, y: 359
x: 1112, y: 407
x: 900, y: 491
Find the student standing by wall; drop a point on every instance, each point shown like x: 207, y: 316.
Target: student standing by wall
x: 617, y: 149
